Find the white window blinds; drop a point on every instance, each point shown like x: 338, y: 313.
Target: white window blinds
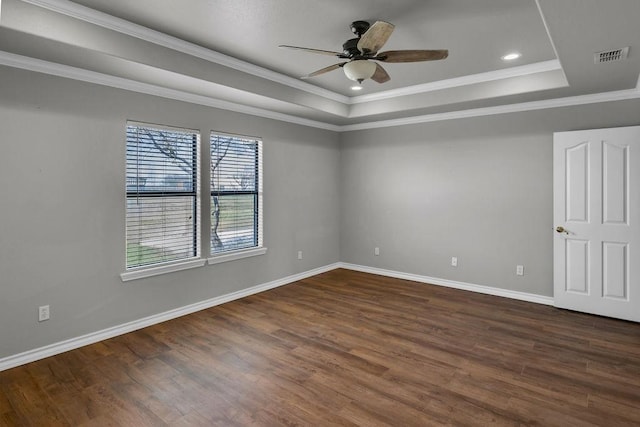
x: 236, y: 193
x: 162, y: 223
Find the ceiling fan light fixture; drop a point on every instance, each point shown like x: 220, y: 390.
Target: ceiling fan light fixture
x: 359, y: 70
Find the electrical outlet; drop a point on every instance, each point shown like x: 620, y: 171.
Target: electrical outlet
x: 376, y: 251
x: 43, y: 313
x: 299, y: 254
x: 519, y: 270
x: 454, y: 261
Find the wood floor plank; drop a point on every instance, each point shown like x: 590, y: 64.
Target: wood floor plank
x: 348, y: 349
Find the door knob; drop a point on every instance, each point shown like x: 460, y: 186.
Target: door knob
x: 561, y: 229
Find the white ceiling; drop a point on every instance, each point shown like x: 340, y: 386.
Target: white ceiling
x: 224, y: 52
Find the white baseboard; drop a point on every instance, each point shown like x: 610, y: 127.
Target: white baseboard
x: 522, y: 296
x: 94, y: 337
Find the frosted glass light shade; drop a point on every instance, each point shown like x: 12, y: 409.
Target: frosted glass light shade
x: 359, y: 70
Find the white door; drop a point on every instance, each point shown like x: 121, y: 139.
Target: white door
x: 596, y: 212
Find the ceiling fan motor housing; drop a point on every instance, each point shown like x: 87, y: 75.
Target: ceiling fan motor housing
x: 359, y: 27
x: 350, y: 48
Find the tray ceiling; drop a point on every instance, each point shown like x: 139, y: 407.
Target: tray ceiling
x: 224, y: 53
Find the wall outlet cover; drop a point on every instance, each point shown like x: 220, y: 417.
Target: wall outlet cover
x: 43, y: 313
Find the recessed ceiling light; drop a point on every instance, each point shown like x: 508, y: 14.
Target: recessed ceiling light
x: 511, y: 56
x: 356, y: 87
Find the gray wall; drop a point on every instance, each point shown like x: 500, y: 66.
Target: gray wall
x: 62, y: 196
x: 479, y: 189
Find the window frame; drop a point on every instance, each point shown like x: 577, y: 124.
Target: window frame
x: 258, y: 248
x: 195, y: 260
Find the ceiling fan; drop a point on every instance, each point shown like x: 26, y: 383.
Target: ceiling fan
x: 363, y: 49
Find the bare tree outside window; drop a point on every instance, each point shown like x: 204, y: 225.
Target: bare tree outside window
x: 234, y: 193
x: 162, y: 214
x: 219, y: 149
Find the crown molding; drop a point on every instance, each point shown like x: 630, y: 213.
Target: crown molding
x: 489, y: 76
x: 60, y: 70
x: 594, y: 98
x: 546, y: 28
x: 122, y: 26
x: 553, y: 44
x: 40, y: 66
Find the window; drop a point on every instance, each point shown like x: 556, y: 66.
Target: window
x: 236, y: 193
x: 164, y: 210
x: 163, y: 186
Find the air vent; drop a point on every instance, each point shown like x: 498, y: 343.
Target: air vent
x: 611, y: 55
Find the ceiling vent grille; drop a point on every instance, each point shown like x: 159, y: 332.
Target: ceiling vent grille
x: 611, y: 55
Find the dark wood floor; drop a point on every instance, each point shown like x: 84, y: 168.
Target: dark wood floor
x: 344, y: 348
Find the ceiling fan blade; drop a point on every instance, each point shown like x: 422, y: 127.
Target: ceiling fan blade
x: 308, y: 49
x: 380, y: 75
x: 324, y: 70
x: 411, y: 55
x: 375, y: 37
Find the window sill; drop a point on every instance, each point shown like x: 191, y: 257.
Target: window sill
x: 185, y: 265
x: 237, y: 255
x: 163, y: 269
